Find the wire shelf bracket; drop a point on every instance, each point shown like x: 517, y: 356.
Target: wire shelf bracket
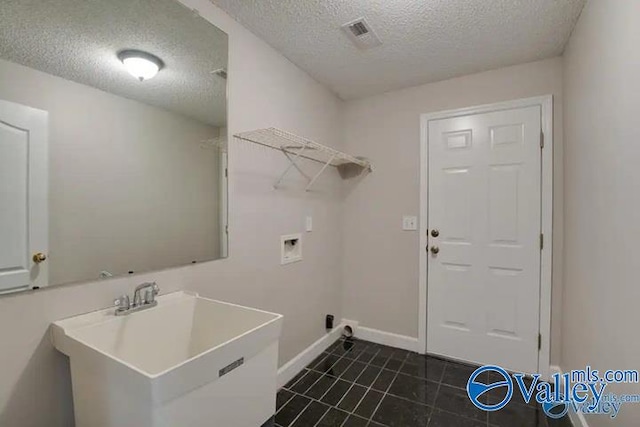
x: 295, y: 148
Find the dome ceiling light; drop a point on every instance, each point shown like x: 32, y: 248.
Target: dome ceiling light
x: 141, y: 65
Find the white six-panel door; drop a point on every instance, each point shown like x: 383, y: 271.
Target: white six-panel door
x: 483, y: 268
x: 23, y: 196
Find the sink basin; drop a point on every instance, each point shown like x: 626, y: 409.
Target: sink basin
x: 189, y: 361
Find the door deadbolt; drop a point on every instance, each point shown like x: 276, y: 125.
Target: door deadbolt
x: 435, y: 233
x: 39, y: 257
x: 435, y: 250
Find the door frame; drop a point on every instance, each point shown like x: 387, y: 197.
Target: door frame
x: 546, y: 257
x: 224, y: 208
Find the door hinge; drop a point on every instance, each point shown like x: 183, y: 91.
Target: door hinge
x: 541, y: 241
x: 226, y: 173
x: 539, y: 341
x: 541, y: 139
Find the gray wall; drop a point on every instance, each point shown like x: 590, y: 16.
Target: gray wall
x: 265, y: 89
x: 381, y: 260
x: 602, y: 206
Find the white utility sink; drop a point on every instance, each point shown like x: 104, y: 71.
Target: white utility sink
x: 188, y: 362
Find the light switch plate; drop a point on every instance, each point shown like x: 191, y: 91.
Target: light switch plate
x: 409, y: 222
x: 309, y: 224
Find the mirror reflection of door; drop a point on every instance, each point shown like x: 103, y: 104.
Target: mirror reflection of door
x: 134, y: 154
x: 23, y: 197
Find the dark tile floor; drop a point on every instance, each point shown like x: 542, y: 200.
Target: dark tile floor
x: 357, y: 383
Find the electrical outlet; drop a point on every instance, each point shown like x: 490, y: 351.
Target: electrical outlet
x: 409, y: 223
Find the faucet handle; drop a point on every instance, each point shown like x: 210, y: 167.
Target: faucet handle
x: 123, y: 303
x: 151, y: 292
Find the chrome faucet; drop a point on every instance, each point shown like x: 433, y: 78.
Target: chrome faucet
x: 141, y: 301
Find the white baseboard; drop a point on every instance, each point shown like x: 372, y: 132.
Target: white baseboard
x: 577, y: 418
x: 387, y: 338
x: 306, y: 356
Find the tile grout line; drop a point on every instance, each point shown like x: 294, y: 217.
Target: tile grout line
x: 336, y: 381
x: 293, y: 385
x: 385, y: 393
x: 440, y: 384
x: 321, y: 416
x: 349, y: 356
x: 371, y: 385
x: 293, y: 394
x: 322, y: 374
x: 300, y: 413
x: 353, y: 384
x: 339, y: 378
x: 309, y: 388
x: 437, y: 391
x: 329, y: 407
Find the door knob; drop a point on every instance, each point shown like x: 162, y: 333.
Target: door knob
x: 39, y: 257
x: 435, y: 250
x: 435, y: 233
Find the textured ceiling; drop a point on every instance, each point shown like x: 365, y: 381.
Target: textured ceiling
x: 423, y: 40
x: 79, y: 39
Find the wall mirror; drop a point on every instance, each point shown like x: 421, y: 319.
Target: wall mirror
x: 112, y: 140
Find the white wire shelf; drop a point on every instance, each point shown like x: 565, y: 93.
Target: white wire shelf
x: 295, y: 147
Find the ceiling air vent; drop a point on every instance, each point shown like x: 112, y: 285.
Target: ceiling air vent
x: 361, y: 34
x: 358, y: 29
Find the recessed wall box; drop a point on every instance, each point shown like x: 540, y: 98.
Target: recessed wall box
x: 290, y: 248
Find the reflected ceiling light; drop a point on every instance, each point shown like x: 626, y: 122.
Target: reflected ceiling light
x: 141, y: 65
